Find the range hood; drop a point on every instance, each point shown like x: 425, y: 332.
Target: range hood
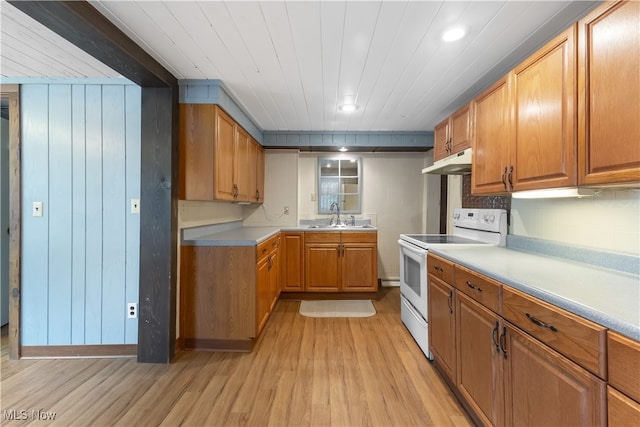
x: 456, y: 164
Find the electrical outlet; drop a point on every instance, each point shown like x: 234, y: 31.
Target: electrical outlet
x: 286, y: 210
x: 132, y: 310
x: 135, y: 206
x: 313, y: 197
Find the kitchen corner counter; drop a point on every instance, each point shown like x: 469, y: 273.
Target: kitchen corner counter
x: 240, y: 236
x: 608, y: 297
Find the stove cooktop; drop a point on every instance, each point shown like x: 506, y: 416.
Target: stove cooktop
x: 439, y: 239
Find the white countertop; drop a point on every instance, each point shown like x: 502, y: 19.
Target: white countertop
x: 607, y: 297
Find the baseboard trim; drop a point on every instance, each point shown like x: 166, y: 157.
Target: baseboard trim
x: 78, y: 351
x: 239, y: 345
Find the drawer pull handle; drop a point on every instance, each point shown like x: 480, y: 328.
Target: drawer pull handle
x: 449, y: 300
x: 503, y: 341
x: 437, y: 268
x: 541, y: 323
x: 472, y: 286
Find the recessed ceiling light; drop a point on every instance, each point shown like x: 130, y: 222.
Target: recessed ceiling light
x: 343, y: 149
x: 453, y: 34
x: 347, y: 108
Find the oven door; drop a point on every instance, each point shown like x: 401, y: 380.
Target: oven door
x: 413, y: 276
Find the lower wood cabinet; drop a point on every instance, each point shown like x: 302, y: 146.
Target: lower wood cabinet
x: 544, y: 388
x: 506, y: 376
x: 442, y: 325
x: 227, y: 294
x: 480, y: 360
x: 292, y: 261
x: 340, y: 261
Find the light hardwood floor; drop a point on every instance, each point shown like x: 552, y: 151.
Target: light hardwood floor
x: 303, y: 372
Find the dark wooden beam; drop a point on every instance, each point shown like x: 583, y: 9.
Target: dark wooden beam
x: 158, y: 225
x: 85, y: 27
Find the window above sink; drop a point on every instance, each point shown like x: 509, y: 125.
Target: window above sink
x: 339, y: 181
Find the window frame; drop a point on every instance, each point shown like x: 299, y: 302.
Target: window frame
x: 322, y: 195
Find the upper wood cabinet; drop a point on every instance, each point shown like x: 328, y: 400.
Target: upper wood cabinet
x: 609, y: 95
x: 524, y: 124
x: 492, y: 139
x: 217, y: 159
x: 544, y: 142
x: 256, y: 172
x: 453, y: 134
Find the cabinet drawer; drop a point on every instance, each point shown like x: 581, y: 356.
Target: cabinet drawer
x: 268, y: 246
x: 440, y: 267
x: 624, y: 364
x: 482, y: 289
x: 579, y: 339
x: 359, y: 237
x: 322, y: 237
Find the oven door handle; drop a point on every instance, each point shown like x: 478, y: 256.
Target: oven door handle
x: 411, y: 248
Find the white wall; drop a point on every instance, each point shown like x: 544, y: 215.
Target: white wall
x: 610, y: 221
x: 280, y: 191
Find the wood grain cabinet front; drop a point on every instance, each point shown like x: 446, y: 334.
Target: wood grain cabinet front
x: 218, y: 159
x: 609, y: 95
x: 227, y: 294
x: 453, y: 134
x: 338, y: 261
x: 524, y: 124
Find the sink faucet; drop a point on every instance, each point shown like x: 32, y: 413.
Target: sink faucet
x: 334, y: 208
x: 353, y: 220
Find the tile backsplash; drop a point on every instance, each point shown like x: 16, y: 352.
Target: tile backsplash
x: 482, y: 202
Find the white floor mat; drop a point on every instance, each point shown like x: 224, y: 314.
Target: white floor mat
x: 337, y: 308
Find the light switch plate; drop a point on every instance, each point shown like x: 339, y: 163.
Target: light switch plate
x: 135, y: 206
x: 37, y: 208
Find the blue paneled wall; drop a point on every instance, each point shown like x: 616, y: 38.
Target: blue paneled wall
x: 80, y: 260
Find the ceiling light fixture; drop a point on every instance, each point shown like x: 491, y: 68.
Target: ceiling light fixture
x: 343, y: 149
x: 453, y: 34
x: 347, y: 108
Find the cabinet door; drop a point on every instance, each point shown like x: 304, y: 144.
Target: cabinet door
x: 224, y: 160
x: 291, y: 264
x: 252, y: 170
x: 544, y: 155
x: 460, y: 129
x: 479, y: 366
x: 322, y: 267
x: 441, y: 140
x: 543, y: 388
x: 621, y: 410
x: 263, y: 300
x: 609, y: 94
x: 442, y: 326
x: 259, y: 173
x: 491, y: 139
x: 359, y: 267
x: 241, y: 170
x: 196, y: 151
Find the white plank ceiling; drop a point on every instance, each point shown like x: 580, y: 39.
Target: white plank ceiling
x: 290, y: 64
